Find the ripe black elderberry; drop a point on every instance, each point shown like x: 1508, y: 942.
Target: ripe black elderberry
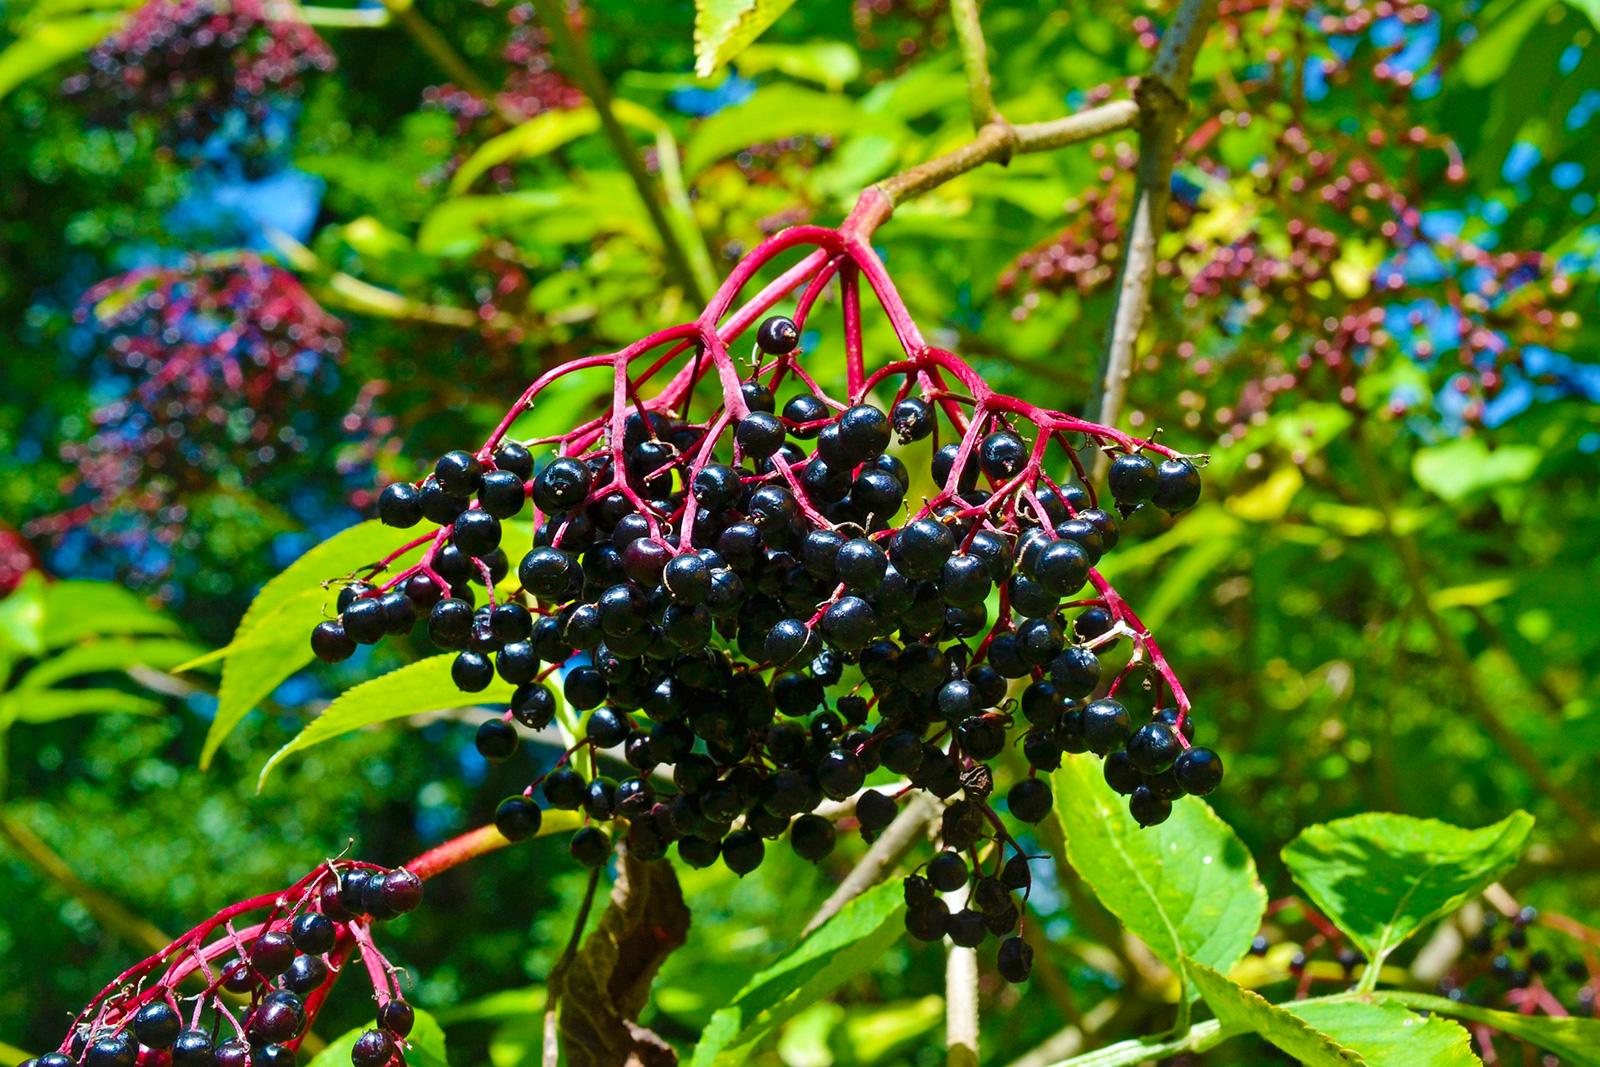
x: 778, y: 336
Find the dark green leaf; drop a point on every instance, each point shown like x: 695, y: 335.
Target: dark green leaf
x: 1379, y: 876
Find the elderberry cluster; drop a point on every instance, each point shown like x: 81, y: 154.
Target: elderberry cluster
x: 149, y: 1016
x: 199, y: 65
x: 755, y: 614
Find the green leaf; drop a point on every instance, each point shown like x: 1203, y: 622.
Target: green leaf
x: 1588, y: 7
x: 1576, y: 1041
x: 424, y: 1046
x: 22, y: 617
x: 78, y: 609
x: 1187, y: 888
x: 779, y: 111
x: 1489, y: 56
x: 48, y: 705
x: 1387, y: 1035
x: 117, y: 654
x: 831, y: 64
x: 273, y: 639
x: 843, y: 947
x: 1379, y: 877
x: 1458, y: 469
x: 413, y: 689
x: 49, y: 43
x: 724, y: 28
x: 1236, y: 1007
x: 535, y: 137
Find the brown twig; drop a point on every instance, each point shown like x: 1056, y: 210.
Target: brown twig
x: 1162, y: 104
x: 910, y: 826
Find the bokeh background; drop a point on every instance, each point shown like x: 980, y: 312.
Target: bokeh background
x: 246, y: 285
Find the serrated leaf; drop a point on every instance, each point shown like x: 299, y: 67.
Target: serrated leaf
x: 1575, y: 1040
x: 424, y: 1046
x: 1387, y: 1035
x: 775, y: 112
x: 412, y: 690
x: 117, y: 654
x: 843, y: 947
x: 724, y: 28
x: 48, y: 705
x: 48, y: 43
x: 1379, y: 877
x: 273, y: 640
x: 1236, y: 1007
x: 1187, y: 888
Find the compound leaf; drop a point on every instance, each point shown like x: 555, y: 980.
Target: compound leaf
x: 416, y: 688
x: 1380, y: 876
x: 1187, y: 888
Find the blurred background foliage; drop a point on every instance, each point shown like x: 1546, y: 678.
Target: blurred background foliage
x: 1375, y: 311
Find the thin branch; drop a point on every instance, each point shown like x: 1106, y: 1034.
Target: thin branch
x: 996, y: 143
x: 107, y: 911
x: 975, y: 57
x: 586, y: 72
x: 1162, y: 104
x: 441, y: 51
x: 960, y: 997
x: 910, y: 826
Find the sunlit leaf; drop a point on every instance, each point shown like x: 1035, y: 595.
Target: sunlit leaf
x: 1387, y: 1035
x: 723, y: 28
x: 1379, y: 877
x: 1237, y: 1007
x: 48, y: 43
x: 411, y: 690
x: 1187, y: 888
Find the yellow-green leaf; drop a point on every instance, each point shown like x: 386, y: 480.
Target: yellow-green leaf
x: 724, y: 28
x: 49, y: 43
x: 1239, y: 1008
x: 413, y: 689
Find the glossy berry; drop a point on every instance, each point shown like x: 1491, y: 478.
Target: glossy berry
x: 1106, y: 726
x: 1199, y: 771
x: 1002, y: 455
x: 590, y: 847
x: 496, y: 740
x: 397, y: 1016
x: 458, y: 473
x: 1133, y: 478
x: 330, y: 643
x: 912, y: 419
x: 1030, y: 799
x: 193, y: 1048
x: 1147, y: 808
x: 1153, y: 748
x: 849, y: 623
x: 561, y: 486
x: 312, y: 934
x: 374, y: 1048
x: 742, y: 851
x: 518, y: 818
x: 272, y: 953
x: 777, y: 335
x: 1177, y: 486
x: 502, y: 494
x: 1075, y: 672
x: 875, y: 810
x: 157, y: 1025
x: 305, y: 974
x: 400, y: 506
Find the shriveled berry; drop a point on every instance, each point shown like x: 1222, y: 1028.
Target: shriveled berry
x: 1015, y: 960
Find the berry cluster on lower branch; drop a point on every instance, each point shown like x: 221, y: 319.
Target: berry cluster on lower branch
x: 735, y: 577
x: 240, y: 989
